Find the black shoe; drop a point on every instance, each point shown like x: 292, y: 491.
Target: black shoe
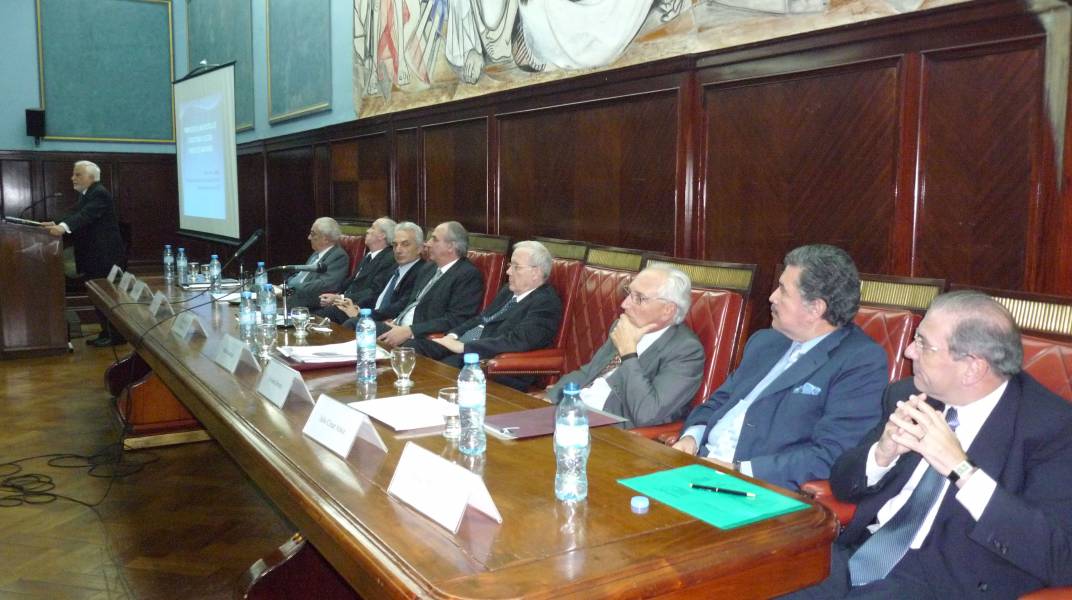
x: 100, y: 342
x: 93, y: 341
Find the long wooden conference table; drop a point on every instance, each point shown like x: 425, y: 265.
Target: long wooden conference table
x: 542, y: 549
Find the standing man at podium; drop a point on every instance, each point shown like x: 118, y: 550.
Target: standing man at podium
x: 94, y: 229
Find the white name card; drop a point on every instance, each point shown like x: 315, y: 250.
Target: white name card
x: 234, y: 352
x: 280, y: 382
x: 159, y: 302
x: 126, y: 281
x: 336, y: 426
x: 187, y: 323
x: 115, y: 272
x: 141, y: 289
x: 438, y: 488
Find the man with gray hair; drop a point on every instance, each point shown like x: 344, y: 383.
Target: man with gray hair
x: 964, y: 488
x: 806, y: 390
x: 523, y: 316
x: 307, y: 286
x: 94, y: 230
x: 651, y: 365
x: 373, y: 273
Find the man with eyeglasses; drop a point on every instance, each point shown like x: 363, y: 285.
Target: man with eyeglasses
x: 650, y: 367
x: 964, y: 488
x: 806, y: 390
x: 307, y: 286
x: 523, y: 316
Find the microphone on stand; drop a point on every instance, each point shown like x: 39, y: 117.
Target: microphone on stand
x: 30, y: 206
x: 246, y: 245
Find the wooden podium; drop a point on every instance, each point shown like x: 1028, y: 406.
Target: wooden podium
x: 31, y: 305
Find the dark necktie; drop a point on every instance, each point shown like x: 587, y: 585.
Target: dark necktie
x: 389, y: 291
x: 476, y: 332
x: 364, y: 263
x: 413, y: 305
x: 883, y: 550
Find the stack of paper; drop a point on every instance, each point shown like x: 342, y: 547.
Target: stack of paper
x: 327, y: 353
x: 403, y: 413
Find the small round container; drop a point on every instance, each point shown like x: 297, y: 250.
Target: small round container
x: 639, y: 504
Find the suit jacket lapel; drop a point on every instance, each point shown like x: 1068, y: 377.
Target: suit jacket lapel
x: 807, y: 364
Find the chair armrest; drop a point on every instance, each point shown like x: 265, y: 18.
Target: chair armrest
x: 660, y: 433
x: 534, y: 362
x: 435, y: 336
x: 1054, y: 593
x: 820, y: 491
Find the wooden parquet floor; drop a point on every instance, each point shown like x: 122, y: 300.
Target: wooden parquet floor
x: 185, y: 526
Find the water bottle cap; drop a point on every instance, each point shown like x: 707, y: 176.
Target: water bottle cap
x: 366, y: 312
x: 639, y: 504
x: 167, y: 246
x: 181, y: 249
x: 471, y: 358
x: 215, y: 257
x: 247, y: 294
x: 572, y: 388
x: 260, y: 263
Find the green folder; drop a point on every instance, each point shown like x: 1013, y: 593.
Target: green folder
x: 725, y: 511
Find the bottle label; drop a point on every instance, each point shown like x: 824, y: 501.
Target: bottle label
x: 471, y: 395
x: 571, y: 435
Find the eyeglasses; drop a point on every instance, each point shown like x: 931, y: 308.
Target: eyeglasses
x: 640, y: 299
x: 515, y: 266
x: 918, y: 340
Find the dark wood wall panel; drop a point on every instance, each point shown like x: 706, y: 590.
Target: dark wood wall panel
x: 979, y: 147
x: 373, y: 176
x: 603, y: 172
x: 16, y: 189
x: 251, y: 204
x: 809, y: 158
x: 290, y: 208
x: 407, y: 158
x: 455, y: 174
x: 344, y: 179
x: 142, y: 185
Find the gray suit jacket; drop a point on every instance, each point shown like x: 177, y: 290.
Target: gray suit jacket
x: 307, y: 293
x: 654, y: 388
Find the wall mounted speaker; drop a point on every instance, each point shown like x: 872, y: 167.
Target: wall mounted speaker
x: 35, y: 122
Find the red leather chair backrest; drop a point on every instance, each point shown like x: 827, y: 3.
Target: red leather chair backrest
x: 715, y: 317
x: 891, y: 328
x: 1050, y: 362
x: 491, y: 265
x: 564, y: 275
x: 355, y: 248
x: 596, y: 303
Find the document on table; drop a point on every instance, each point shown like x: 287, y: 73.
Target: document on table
x: 327, y: 353
x: 403, y: 413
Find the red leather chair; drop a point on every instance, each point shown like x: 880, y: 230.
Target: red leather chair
x: 891, y: 308
x: 596, y: 303
x: 567, y: 263
x: 354, y: 245
x: 489, y: 253
x: 719, y: 312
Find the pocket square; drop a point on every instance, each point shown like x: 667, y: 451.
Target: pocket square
x: 808, y: 390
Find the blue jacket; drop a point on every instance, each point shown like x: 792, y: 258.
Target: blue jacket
x: 819, y: 407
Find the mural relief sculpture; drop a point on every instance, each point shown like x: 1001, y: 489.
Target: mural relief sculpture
x: 410, y: 53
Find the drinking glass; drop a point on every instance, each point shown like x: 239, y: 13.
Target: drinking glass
x: 299, y: 316
x: 452, y: 422
x: 194, y: 271
x: 266, y: 333
x: 402, y: 362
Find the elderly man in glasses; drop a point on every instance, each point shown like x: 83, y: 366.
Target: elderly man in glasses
x: 651, y: 365
x: 806, y: 390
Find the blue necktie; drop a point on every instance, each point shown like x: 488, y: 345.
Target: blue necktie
x: 389, y: 290
x: 883, y: 550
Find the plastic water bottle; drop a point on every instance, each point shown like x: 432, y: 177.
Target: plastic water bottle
x: 366, y: 355
x: 261, y: 276
x: 571, y: 446
x: 472, y: 396
x: 214, y: 273
x: 182, y: 266
x: 169, y: 264
x: 266, y: 300
x: 247, y: 317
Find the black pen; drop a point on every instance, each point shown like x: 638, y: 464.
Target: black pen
x: 708, y: 488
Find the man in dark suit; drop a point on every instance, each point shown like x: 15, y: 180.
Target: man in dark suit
x: 94, y: 229
x: 965, y: 487
x: 446, y: 295
x: 401, y: 287
x: 306, y: 287
x: 523, y: 316
x: 650, y: 367
x: 806, y: 390
x: 373, y: 273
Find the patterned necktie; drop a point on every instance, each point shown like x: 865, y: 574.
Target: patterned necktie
x: 475, y: 332
x: 887, y: 546
x: 300, y: 277
x: 413, y: 305
x: 385, y: 299
x: 615, y: 362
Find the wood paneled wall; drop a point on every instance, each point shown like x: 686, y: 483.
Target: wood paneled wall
x: 930, y: 144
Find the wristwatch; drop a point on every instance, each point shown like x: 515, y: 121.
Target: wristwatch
x: 962, y: 470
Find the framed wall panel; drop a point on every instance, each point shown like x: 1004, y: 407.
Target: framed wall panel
x: 407, y: 159
x: 221, y: 32
x: 106, y: 69
x: 598, y: 171
x: 290, y: 209
x: 456, y: 174
x: 299, y: 58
